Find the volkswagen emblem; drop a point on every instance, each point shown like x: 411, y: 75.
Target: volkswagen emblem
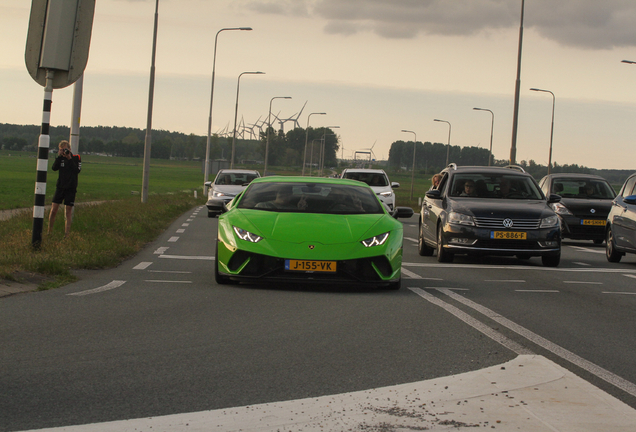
x: 311, y: 246
x: 592, y: 211
x: 508, y: 223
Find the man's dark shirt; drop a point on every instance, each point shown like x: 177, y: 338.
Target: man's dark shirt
x: 69, y: 169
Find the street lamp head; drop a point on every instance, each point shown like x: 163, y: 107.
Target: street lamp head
x: 536, y: 89
x: 245, y: 28
x: 437, y: 120
x: 628, y: 61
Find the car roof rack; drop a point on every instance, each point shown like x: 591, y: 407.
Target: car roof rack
x: 515, y: 167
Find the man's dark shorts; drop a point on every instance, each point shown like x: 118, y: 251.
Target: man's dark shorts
x: 65, y: 195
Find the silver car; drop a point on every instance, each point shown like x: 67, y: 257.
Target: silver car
x: 378, y: 180
x: 227, y: 184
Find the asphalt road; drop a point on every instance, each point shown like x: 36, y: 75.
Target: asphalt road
x: 157, y: 336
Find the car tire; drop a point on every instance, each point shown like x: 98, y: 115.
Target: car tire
x: 220, y: 279
x: 394, y: 286
x: 442, y: 254
x: 551, y: 260
x: 422, y: 248
x: 610, y: 248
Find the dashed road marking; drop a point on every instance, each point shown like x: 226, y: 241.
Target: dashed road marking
x: 142, y: 265
x: 161, y: 250
x: 410, y: 274
x: 618, y: 292
x: 112, y: 285
x: 180, y: 231
x: 583, y: 282
x: 539, y: 291
x: 173, y: 239
x: 188, y: 257
x: 581, y: 263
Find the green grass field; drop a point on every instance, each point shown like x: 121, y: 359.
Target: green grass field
x: 102, y: 178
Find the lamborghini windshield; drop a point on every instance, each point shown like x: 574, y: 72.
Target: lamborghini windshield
x: 323, y: 198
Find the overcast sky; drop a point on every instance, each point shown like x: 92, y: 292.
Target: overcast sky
x: 374, y: 66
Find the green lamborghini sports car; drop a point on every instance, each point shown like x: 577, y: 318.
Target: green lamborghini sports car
x: 308, y: 229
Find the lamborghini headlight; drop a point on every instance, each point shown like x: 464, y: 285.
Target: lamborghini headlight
x: 246, y: 235
x: 375, y: 241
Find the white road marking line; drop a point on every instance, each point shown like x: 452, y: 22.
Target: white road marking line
x: 583, y: 282
x: 477, y: 325
x: 185, y: 224
x: 161, y: 250
x: 506, y: 280
x: 630, y: 276
x: 450, y: 288
x: 410, y: 274
x: 169, y: 271
x: 449, y: 267
x: 142, y: 266
x: 112, y: 285
x: 539, y: 291
x: 180, y: 231
x: 604, y: 374
x: 582, y: 249
x: 184, y: 257
x: 189, y: 220
x: 173, y: 239
x: 166, y: 281
x: 618, y: 292
x: 411, y: 239
x: 581, y: 263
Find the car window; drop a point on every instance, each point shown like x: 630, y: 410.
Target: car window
x: 582, y: 188
x: 372, y: 179
x: 321, y: 198
x: 628, y: 189
x: 237, y: 179
x: 494, y: 186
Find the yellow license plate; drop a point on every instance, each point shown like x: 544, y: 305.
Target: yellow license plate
x: 310, y: 266
x: 508, y: 235
x: 595, y: 222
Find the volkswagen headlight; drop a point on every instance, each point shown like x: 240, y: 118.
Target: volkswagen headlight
x: 375, y: 241
x: 549, y: 222
x: 460, y: 219
x: 246, y: 235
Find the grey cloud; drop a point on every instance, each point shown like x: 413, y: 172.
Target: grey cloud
x: 592, y: 24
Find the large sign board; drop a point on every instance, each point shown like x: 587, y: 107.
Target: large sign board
x: 58, y: 39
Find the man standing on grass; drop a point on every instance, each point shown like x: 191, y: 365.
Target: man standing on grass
x: 69, y: 166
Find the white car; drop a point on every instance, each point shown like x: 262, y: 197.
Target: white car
x: 227, y: 184
x: 378, y: 180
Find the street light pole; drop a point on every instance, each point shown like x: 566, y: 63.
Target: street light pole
x: 413, y: 169
x: 238, y: 84
x: 515, y: 118
x: 269, y: 126
x: 148, y: 141
x: 492, y: 126
x: 306, y: 138
x: 551, y: 127
x: 449, y: 135
x: 207, y: 144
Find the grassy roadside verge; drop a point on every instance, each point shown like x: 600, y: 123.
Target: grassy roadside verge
x: 101, y: 237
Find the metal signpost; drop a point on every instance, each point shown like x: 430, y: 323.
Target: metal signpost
x: 56, y: 54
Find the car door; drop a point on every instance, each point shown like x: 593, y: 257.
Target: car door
x: 432, y: 209
x: 624, y: 219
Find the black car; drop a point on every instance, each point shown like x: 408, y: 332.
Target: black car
x: 585, y: 203
x: 489, y: 211
x: 620, y: 231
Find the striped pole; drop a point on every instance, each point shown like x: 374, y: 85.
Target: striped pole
x: 43, y: 163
